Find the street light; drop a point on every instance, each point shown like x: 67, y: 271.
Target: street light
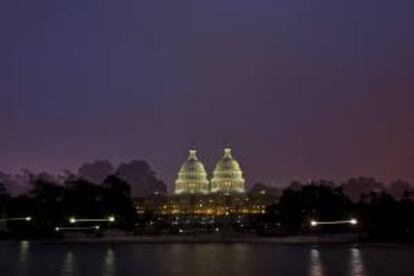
x: 315, y: 223
x: 27, y: 219
x: 59, y: 228
x: 73, y: 220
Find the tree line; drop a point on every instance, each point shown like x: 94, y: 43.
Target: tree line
x: 380, y: 215
x: 384, y: 212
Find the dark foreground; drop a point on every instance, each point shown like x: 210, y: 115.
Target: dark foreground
x: 39, y: 259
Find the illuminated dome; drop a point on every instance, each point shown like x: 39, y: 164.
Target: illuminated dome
x: 192, y: 177
x: 227, y: 176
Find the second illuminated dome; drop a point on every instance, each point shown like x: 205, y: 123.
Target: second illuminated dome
x: 227, y: 175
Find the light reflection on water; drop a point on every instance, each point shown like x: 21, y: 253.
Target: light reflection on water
x: 176, y: 253
x: 38, y: 259
x: 315, y: 268
x: 109, y: 267
x: 240, y: 257
x: 24, y: 249
x: 68, y: 265
x: 356, y: 263
x: 207, y: 259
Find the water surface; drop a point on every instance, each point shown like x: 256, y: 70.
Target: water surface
x: 38, y: 259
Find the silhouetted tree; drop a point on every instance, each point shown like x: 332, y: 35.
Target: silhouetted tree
x: 399, y: 188
x: 47, y: 204
x: 356, y: 187
x: 14, y: 183
x: 141, y: 178
x: 384, y: 218
x: 117, y: 200
x: 4, y: 194
x: 83, y: 199
x: 263, y: 189
x: 295, y: 186
x: 4, y: 198
x: 297, y: 208
x: 97, y: 171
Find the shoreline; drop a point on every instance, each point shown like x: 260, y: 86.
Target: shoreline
x: 214, y: 239
x: 200, y: 239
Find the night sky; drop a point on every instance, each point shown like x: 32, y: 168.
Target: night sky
x: 300, y: 89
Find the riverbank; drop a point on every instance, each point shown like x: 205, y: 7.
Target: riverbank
x: 224, y: 238
x: 169, y: 239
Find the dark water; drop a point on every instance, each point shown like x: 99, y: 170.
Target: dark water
x: 25, y: 258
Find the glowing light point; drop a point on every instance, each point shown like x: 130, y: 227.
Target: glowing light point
x: 111, y: 219
x: 72, y: 220
x: 313, y: 223
x: 28, y: 218
x: 353, y: 222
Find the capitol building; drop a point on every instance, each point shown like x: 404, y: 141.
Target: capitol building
x: 227, y: 177
x: 198, y: 193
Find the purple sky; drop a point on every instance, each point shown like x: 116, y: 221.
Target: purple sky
x: 300, y: 89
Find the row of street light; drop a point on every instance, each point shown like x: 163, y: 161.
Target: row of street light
x: 74, y: 220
